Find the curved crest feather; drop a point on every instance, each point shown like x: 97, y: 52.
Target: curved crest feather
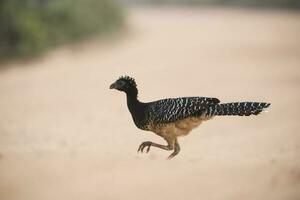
x: 129, y: 79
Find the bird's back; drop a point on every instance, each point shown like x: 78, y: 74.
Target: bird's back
x: 174, y: 109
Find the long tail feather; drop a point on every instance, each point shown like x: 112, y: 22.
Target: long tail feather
x: 237, y: 108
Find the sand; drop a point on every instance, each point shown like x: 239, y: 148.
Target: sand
x: 65, y: 135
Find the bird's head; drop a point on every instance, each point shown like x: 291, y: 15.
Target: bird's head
x: 125, y: 84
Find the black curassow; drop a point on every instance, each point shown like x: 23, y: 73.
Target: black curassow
x: 174, y: 117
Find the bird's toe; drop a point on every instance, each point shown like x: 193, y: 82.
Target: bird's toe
x: 144, y: 145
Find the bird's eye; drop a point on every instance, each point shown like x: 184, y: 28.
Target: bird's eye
x: 122, y: 84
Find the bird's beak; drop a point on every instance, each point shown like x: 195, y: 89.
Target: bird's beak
x: 112, y: 86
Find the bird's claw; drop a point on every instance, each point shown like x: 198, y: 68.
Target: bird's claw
x: 143, y: 145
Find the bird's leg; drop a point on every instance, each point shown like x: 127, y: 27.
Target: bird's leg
x: 148, y: 144
x: 176, y: 150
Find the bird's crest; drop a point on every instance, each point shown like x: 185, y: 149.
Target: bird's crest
x: 128, y: 79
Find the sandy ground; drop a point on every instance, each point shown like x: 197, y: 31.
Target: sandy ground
x: 65, y: 135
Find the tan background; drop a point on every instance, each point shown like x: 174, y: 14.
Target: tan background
x: 65, y: 135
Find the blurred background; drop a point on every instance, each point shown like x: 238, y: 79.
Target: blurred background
x: 65, y: 135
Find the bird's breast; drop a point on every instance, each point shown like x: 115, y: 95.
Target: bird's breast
x: 177, y: 128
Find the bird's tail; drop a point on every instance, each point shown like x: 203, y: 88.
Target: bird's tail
x: 237, y: 108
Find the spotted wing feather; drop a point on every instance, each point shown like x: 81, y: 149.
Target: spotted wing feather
x: 170, y: 110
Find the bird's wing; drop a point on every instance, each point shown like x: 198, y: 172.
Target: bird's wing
x: 170, y: 110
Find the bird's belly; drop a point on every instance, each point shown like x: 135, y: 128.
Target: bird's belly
x: 177, y: 128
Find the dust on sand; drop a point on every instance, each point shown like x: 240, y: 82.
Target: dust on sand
x: 65, y: 135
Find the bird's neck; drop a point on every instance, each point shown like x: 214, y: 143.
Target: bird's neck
x: 136, y: 108
x: 132, y: 100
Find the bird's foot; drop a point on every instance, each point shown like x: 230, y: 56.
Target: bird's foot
x: 143, y: 145
x: 176, y: 151
x: 171, y: 156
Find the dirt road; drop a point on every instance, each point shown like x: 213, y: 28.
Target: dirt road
x: 65, y: 135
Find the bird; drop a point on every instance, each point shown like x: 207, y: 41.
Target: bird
x: 171, y: 118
